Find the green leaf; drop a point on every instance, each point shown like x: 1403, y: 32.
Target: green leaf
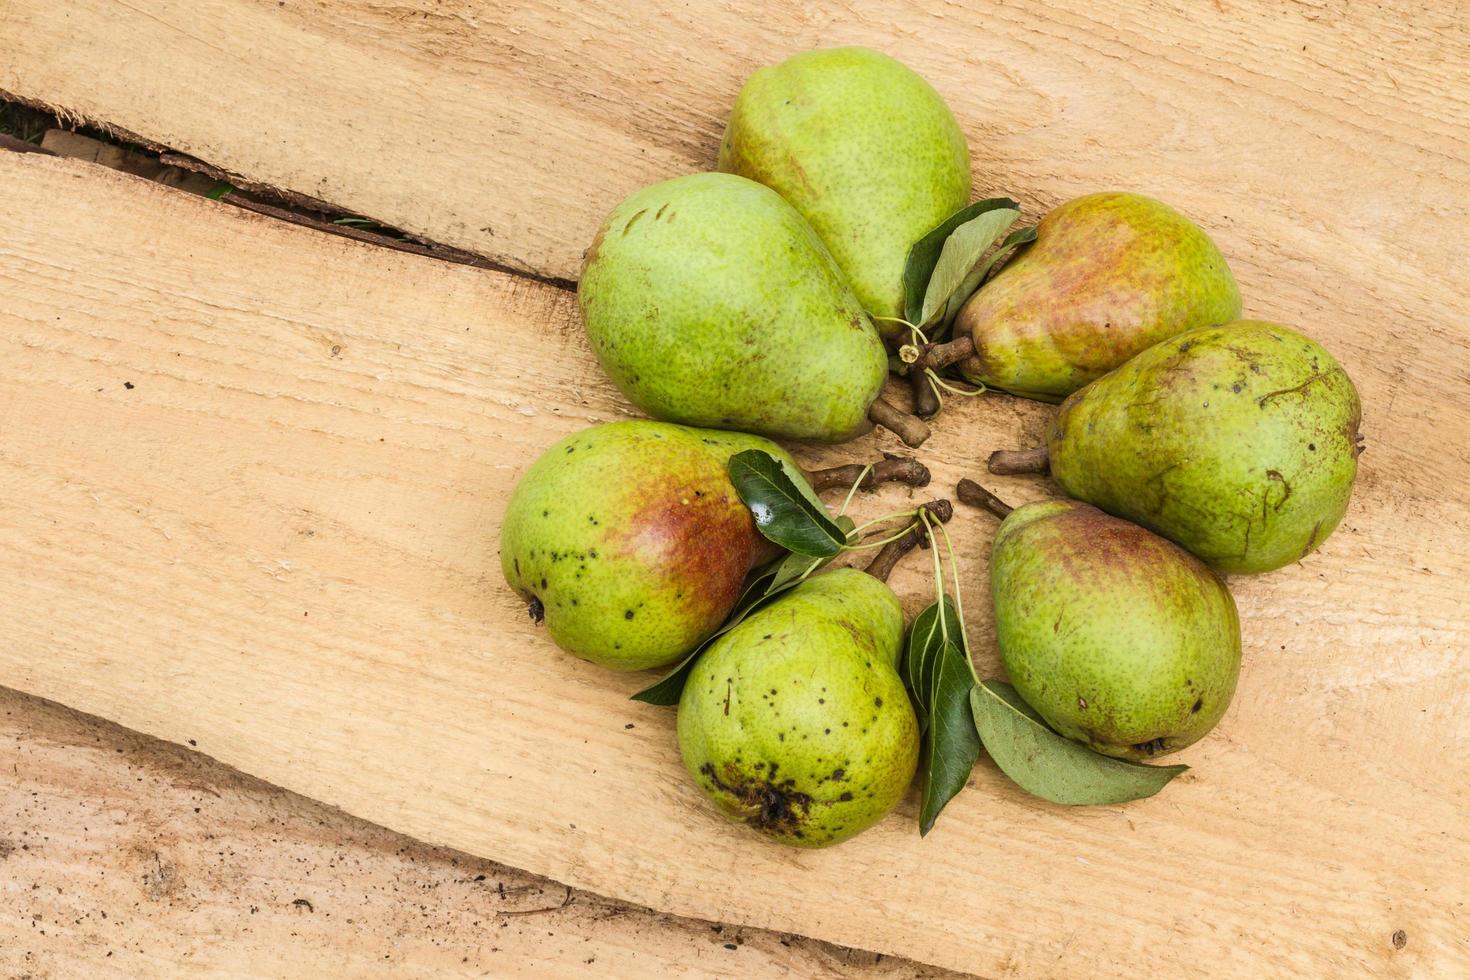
x: 925, y: 253
x: 959, y: 256
x: 939, y: 680
x: 762, y: 585
x: 219, y: 190
x: 786, y: 510
x: 951, y: 743
x: 983, y: 271
x: 927, y: 634
x: 1047, y: 765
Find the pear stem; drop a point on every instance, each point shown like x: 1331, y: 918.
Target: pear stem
x: 1010, y: 462
x: 940, y: 356
x: 975, y: 495
x: 926, y: 399
x: 910, y: 428
x: 882, y: 565
x: 893, y: 469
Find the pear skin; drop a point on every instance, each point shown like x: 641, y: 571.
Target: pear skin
x: 864, y: 148
x: 1120, y: 639
x: 796, y: 722
x: 1239, y: 442
x: 711, y: 302
x: 1108, y: 276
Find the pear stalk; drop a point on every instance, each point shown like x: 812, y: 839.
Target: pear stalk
x: 893, y: 469
x: 909, y: 428
x: 926, y: 399
x: 882, y: 566
x: 937, y: 357
x: 1013, y: 462
x: 975, y: 495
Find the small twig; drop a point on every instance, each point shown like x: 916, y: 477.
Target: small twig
x: 882, y: 565
x: 550, y: 908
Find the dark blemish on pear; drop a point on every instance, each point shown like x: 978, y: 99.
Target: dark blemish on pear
x: 1198, y: 704
x: 778, y: 805
x: 632, y: 221
x: 536, y: 609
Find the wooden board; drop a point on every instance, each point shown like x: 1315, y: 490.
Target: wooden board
x: 1315, y: 138
x: 253, y: 480
x: 124, y: 856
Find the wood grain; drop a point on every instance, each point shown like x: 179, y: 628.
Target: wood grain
x: 1316, y: 137
x: 253, y: 481
x: 124, y: 856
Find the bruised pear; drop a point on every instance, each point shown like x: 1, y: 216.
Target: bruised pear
x: 1108, y: 276
x: 795, y: 722
x: 710, y: 301
x: 864, y: 148
x: 1238, y: 442
x: 1119, y: 639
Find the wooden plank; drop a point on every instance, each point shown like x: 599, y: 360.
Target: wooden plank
x: 126, y: 856
x: 1315, y: 136
x: 253, y: 478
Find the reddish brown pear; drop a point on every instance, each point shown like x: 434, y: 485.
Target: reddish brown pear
x: 630, y: 542
x: 1108, y: 276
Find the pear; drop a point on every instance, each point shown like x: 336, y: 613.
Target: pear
x: 1108, y: 276
x: 710, y: 301
x: 1238, y: 442
x: 631, y: 543
x: 796, y: 722
x: 864, y: 148
x: 1119, y: 639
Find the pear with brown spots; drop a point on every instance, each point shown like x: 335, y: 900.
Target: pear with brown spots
x: 1238, y: 442
x: 796, y: 722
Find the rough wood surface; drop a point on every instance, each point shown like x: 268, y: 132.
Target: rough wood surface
x: 121, y: 855
x: 253, y: 480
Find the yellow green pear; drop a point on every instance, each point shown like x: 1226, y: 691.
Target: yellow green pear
x: 864, y: 148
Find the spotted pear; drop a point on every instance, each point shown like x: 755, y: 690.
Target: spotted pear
x: 864, y: 148
x: 1120, y: 639
x: 710, y: 301
x: 795, y: 722
x: 1238, y: 442
x: 1108, y: 276
x: 630, y: 541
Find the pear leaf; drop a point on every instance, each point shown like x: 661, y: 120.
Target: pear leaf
x: 785, y: 508
x: 983, y: 271
x: 924, y: 254
x: 939, y: 680
x: 1047, y: 765
x: 762, y: 585
x: 959, y: 257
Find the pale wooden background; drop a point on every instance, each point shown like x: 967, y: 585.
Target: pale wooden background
x: 280, y: 542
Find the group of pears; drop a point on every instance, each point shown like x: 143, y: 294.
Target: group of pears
x: 764, y: 302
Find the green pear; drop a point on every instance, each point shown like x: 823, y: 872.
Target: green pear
x: 796, y: 722
x: 710, y: 301
x: 1120, y: 639
x: 864, y: 148
x: 1238, y: 442
x: 1108, y: 276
